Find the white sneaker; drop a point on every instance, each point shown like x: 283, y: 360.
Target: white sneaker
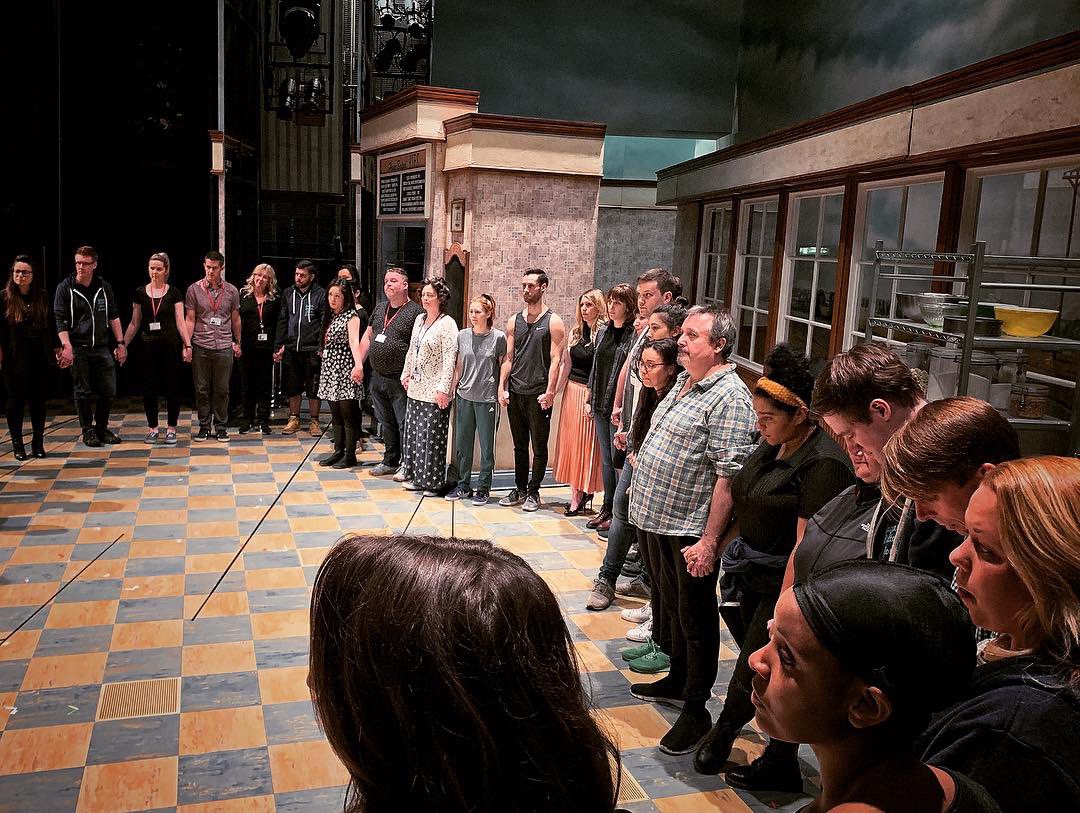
x: 641, y: 633
x: 399, y: 476
x: 638, y: 615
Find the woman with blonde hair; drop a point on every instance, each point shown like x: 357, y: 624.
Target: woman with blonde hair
x: 1018, y: 573
x: 259, y: 307
x: 577, y: 452
x: 157, y: 315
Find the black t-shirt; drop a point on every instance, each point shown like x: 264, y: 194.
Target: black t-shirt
x: 388, y: 356
x: 581, y: 357
x: 165, y: 317
x: 771, y: 495
x: 250, y: 322
x: 605, y: 357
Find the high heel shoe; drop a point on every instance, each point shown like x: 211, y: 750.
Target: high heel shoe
x: 18, y: 448
x: 37, y: 446
x: 582, y: 507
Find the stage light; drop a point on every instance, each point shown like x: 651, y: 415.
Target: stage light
x: 298, y: 24
x: 287, y: 93
x: 315, y: 97
x: 411, y: 60
x: 385, y: 10
x: 385, y: 58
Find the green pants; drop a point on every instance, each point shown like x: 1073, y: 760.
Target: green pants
x: 472, y: 417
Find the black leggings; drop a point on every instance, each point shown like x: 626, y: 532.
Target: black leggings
x: 161, y: 377
x: 345, y: 414
x: 15, y: 406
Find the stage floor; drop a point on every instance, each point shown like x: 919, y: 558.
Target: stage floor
x: 137, y: 537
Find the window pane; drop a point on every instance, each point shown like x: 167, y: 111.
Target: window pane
x: 759, y: 338
x: 753, y: 228
x: 768, y: 232
x: 830, y: 226
x: 746, y: 327
x: 1007, y: 212
x: 806, y: 233
x: 1056, y: 234
x: 796, y: 336
x: 716, y: 235
x: 819, y: 343
x: 803, y: 279
x: 921, y: 217
x: 764, y: 283
x: 749, y: 281
x: 826, y: 293
x: 711, y: 275
x: 882, y: 219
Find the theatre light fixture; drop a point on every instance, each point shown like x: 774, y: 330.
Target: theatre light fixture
x: 298, y: 25
x: 385, y: 58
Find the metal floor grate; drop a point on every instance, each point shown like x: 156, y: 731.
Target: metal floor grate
x: 630, y: 790
x: 139, y: 698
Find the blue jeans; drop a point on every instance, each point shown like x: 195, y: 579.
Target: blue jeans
x: 605, y: 436
x: 621, y: 533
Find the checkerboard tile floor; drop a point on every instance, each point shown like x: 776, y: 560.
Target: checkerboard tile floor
x: 245, y: 737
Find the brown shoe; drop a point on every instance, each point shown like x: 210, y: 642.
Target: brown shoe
x: 293, y: 426
x: 315, y: 428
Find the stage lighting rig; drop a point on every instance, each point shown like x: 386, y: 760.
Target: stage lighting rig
x: 299, y: 25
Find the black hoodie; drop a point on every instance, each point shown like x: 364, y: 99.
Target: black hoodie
x: 85, y: 312
x: 1016, y: 732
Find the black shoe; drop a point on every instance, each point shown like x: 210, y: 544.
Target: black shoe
x: 659, y: 691
x: 37, y: 446
x: 599, y: 519
x: 715, y: 750
x: 105, y: 435
x: 202, y: 434
x: 244, y: 428
x: 265, y: 428
x: 332, y: 458
x: 777, y: 769
x: 347, y: 461
x: 582, y: 507
x: 90, y: 438
x: 221, y: 434
x: 687, y: 733
x: 18, y: 449
x: 514, y: 497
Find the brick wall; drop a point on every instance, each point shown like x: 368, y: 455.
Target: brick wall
x: 630, y: 241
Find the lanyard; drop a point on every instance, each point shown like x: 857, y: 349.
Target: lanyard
x: 155, y: 304
x: 901, y: 527
x: 424, y: 328
x: 214, y: 303
x: 259, y: 305
x: 386, y: 321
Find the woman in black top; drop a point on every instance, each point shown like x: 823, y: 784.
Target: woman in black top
x: 259, y: 307
x: 795, y: 470
x: 157, y: 315
x: 348, y: 272
x: 613, y: 343
x: 29, y: 350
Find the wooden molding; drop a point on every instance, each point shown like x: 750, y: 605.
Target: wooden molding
x: 732, y: 252
x: 635, y: 183
x: 456, y: 250
x: 783, y: 205
x: 421, y: 93
x: 524, y: 124
x: 843, y: 267
x: 1012, y: 65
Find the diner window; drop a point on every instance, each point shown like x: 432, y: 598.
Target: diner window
x: 713, y: 264
x: 904, y: 217
x: 809, y: 282
x: 753, y: 279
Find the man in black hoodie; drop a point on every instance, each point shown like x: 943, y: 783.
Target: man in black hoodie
x: 299, y: 342
x: 86, y: 312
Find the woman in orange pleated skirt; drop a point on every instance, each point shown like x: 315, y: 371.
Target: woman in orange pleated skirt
x: 577, y: 452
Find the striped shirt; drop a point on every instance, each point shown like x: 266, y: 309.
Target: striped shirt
x: 692, y: 441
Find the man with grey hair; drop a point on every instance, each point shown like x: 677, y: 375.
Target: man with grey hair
x: 681, y: 500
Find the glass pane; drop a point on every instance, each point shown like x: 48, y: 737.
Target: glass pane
x: 749, y: 281
x: 826, y: 293
x: 796, y: 336
x: 754, y: 216
x: 764, y: 282
x: 921, y: 217
x: 819, y: 343
x: 884, y: 297
x: 760, y: 330
x: 1007, y: 212
x: 806, y: 232
x: 768, y: 232
x: 711, y: 274
x: 1057, y: 237
x: 802, y: 280
x: 830, y: 226
x: 716, y: 233
x: 746, y: 327
x: 882, y: 219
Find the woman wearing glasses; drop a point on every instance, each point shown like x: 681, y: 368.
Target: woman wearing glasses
x: 29, y: 350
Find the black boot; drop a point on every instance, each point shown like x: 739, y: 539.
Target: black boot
x: 777, y: 769
x: 339, y: 448
x: 18, y: 448
x: 37, y: 445
x: 349, y: 460
x: 716, y: 748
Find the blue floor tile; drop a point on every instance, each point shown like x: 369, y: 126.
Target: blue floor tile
x: 89, y: 550
x: 290, y: 722
x: 200, y: 584
x: 224, y: 775
x: 155, y: 566
x: 284, y: 598
x: 30, y: 574
x: 143, y: 664
x: 70, y: 704
x: 175, y: 531
x: 217, y: 630
x: 139, y: 738
x: 74, y: 641
x: 204, y: 692
x: 163, y: 504
x: 213, y: 544
x: 109, y: 518
x: 165, y: 608
x: 275, y: 653
x: 320, y: 800
x: 271, y: 559
x: 52, y: 791
x: 12, y: 617
x: 11, y: 674
x: 93, y: 590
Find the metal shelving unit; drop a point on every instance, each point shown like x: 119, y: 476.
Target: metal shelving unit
x: 978, y: 263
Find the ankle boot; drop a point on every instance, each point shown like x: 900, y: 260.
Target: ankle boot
x: 777, y: 769
x: 349, y: 459
x: 339, y: 448
x: 715, y: 749
x: 17, y: 447
x: 37, y: 445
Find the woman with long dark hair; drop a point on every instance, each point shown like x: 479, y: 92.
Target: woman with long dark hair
x: 340, y: 373
x: 347, y: 271
x: 259, y: 309
x: 460, y: 694
x: 29, y: 351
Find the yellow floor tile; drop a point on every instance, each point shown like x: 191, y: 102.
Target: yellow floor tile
x: 81, y: 614
x: 308, y: 524
x: 212, y: 563
x: 305, y: 766
x: 639, y: 726
x: 715, y: 801
x: 285, y: 685
x: 7, y: 705
x: 56, y: 671
x: 233, y: 603
x: 50, y: 748
x: 248, y: 804
x: 274, y: 578
x: 591, y: 659
x: 313, y: 556
x: 207, y: 530
x: 106, y: 534
x: 602, y: 626
x: 139, y: 785
x: 217, y: 659
x: 283, y: 624
x: 41, y: 554
x: 143, y: 549
x: 20, y: 646
x: 203, y: 732
x: 562, y: 581
x: 153, y: 586
x: 147, y: 635
x: 270, y: 542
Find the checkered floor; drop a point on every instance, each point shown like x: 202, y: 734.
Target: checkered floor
x: 245, y: 737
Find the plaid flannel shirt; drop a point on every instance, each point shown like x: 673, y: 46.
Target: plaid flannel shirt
x: 691, y: 442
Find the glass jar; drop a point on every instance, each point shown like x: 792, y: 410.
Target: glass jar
x: 945, y: 373
x: 917, y: 355
x: 1028, y: 400
x: 984, y: 367
x: 1012, y: 369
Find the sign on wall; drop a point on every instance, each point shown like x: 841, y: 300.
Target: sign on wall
x: 403, y: 184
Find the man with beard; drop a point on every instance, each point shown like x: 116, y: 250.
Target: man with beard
x: 529, y: 380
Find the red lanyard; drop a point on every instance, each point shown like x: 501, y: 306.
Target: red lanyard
x: 259, y: 305
x: 214, y: 303
x: 386, y: 322
x: 155, y: 304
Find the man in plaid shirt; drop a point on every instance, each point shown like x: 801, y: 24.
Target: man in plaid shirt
x: 681, y: 499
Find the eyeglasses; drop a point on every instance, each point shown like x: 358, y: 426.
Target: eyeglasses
x: 649, y: 366
x: 22, y: 272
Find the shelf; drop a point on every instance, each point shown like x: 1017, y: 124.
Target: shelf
x: 1046, y: 343
x: 1054, y: 424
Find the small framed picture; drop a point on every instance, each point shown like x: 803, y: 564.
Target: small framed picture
x: 457, y: 215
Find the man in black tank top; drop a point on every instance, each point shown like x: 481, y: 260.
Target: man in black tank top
x: 533, y: 371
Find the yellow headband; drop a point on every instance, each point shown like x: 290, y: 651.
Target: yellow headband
x: 778, y: 392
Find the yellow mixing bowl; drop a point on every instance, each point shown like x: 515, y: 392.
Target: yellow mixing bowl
x: 1025, y: 322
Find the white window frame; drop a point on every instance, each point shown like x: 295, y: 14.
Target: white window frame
x: 716, y: 297
x: 736, y: 306
x: 787, y: 280
x: 852, y: 335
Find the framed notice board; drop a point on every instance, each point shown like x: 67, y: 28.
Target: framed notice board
x: 403, y: 183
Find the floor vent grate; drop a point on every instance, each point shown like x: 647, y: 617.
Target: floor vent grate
x: 139, y: 698
x: 630, y: 790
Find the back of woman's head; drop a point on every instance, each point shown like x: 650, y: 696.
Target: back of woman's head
x: 791, y: 370
x: 898, y: 628
x: 445, y: 680
x: 1038, y: 506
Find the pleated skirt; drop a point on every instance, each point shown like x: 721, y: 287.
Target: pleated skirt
x: 577, y: 452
